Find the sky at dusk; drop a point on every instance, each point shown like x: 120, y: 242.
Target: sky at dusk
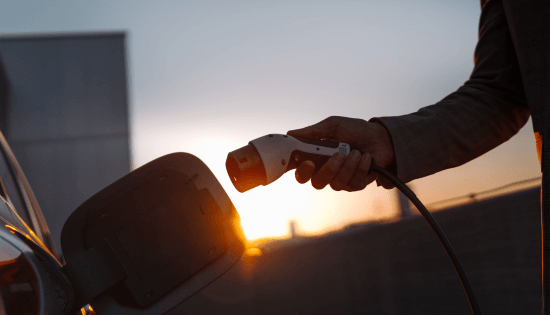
x: 206, y: 77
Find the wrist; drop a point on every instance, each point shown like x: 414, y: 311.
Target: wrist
x: 384, y: 136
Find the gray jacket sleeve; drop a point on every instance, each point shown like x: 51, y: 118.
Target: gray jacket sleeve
x: 483, y: 113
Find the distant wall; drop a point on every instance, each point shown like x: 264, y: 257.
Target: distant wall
x: 68, y: 116
x: 397, y: 268
x: 3, y: 98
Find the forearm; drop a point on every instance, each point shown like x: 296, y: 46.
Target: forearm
x: 485, y: 112
x: 456, y: 130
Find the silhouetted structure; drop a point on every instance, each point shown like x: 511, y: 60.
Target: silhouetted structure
x: 292, y: 224
x: 405, y: 206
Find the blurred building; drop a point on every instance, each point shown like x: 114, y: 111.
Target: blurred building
x: 292, y: 225
x: 3, y: 98
x: 64, y: 111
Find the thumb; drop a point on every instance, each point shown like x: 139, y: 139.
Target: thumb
x: 321, y: 130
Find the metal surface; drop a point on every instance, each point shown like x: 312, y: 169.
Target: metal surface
x: 22, y: 198
x: 30, y: 279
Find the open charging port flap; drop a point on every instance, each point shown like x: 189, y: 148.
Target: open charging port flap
x: 151, y: 239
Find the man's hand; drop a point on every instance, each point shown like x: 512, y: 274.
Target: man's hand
x: 346, y: 173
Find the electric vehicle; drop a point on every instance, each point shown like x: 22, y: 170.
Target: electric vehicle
x: 142, y: 245
x: 27, y: 252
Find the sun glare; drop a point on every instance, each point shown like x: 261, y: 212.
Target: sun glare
x: 266, y: 211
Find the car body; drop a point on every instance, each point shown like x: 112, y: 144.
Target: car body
x: 29, y: 261
x: 128, y: 231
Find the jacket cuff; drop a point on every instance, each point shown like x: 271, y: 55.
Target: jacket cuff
x: 398, y: 169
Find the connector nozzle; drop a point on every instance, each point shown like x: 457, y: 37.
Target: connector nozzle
x: 246, y: 168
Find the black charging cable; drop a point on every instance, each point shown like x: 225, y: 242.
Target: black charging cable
x: 438, y: 232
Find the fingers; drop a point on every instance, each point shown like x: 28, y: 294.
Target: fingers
x: 304, y: 172
x: 328, y: 171
x: 385, y: 183
x: 361, y: 178
x: 348, y: 174
x: 346, y: 171
x: 321, y: 130
x: 342, y: 173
